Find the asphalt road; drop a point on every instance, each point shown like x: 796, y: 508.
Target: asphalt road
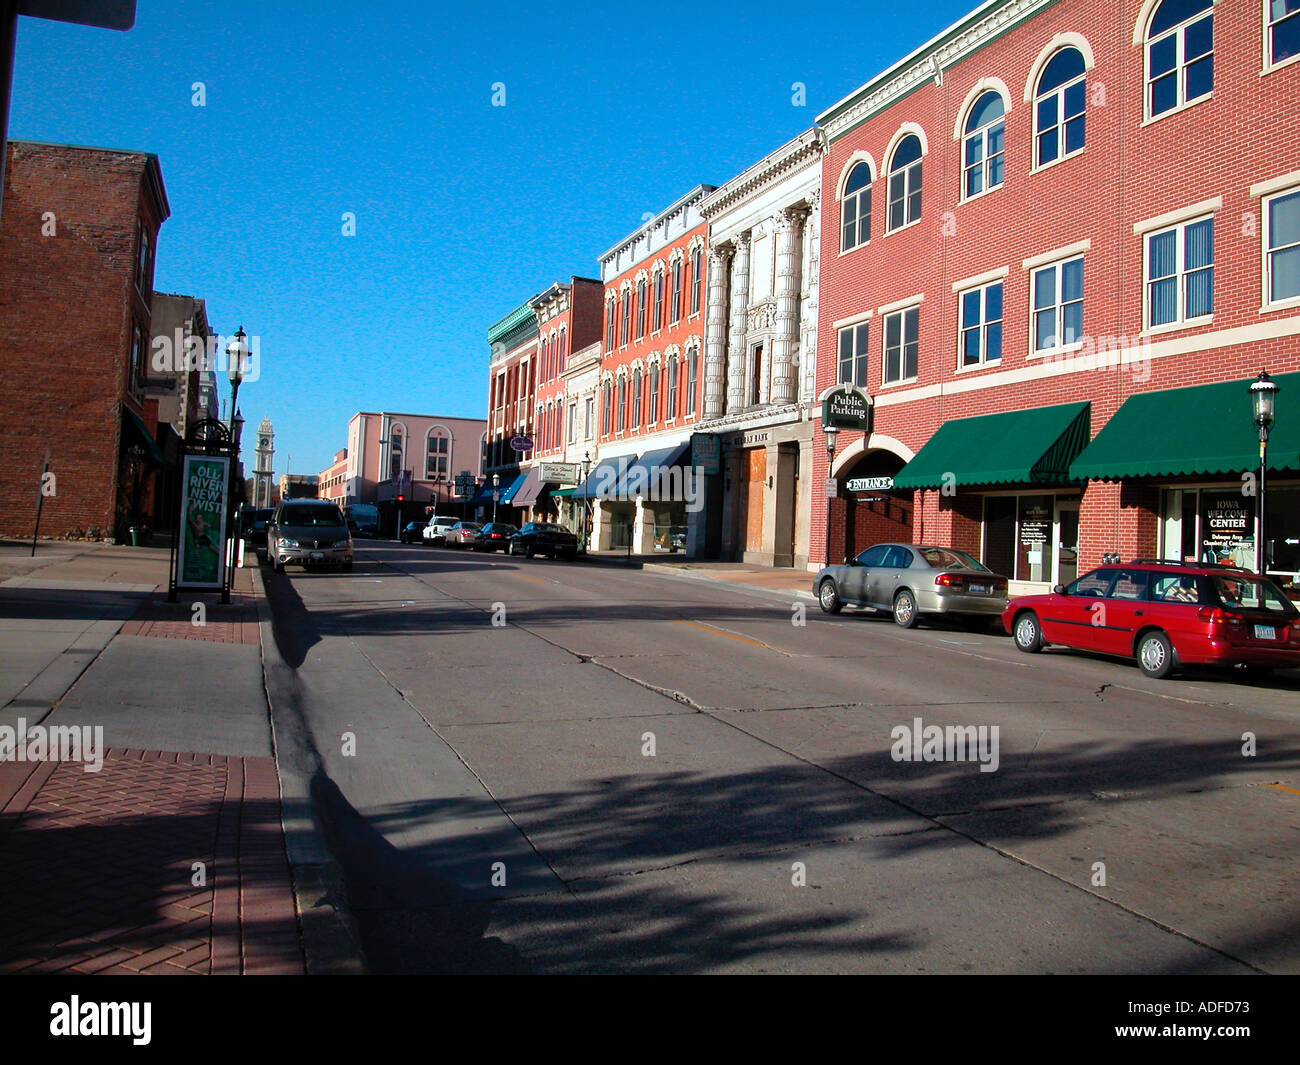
x: 536, y: 766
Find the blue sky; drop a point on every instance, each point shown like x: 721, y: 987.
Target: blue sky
x: 463, y: 210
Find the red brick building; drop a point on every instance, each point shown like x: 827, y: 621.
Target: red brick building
x: 1059, y: 218
x: 77, y: 242
x: 652, y: 373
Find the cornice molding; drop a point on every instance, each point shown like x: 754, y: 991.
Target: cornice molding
x: 807, y: 148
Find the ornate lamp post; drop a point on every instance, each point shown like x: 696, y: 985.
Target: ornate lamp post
x: 586, y: 502
x: 1263, y: 398
x: 831, y: 432
x: 496, y: 493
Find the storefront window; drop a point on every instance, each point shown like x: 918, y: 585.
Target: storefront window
x: 1218, y: 525
x: 1035, y: 539
x: 1021, y: 534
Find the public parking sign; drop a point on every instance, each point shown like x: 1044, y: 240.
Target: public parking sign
x: 847, y: 407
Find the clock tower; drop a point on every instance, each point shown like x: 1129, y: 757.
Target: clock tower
x: 264, y: 465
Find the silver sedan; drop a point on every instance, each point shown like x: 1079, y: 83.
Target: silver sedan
x: 913, y: 579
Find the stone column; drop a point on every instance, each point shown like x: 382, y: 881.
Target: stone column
x: 736, y: 350
x: 788, y: 227
x: 715, y: 335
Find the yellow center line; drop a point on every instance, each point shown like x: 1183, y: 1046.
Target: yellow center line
x: 527, y: 577
x: 1283, y: 787
x: 729, y: 635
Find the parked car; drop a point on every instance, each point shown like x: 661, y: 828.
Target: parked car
x: 436, y: 531
x: 494, y: 536
x: 544, y: 538
x: 462, y: 534
x: 1165, y: 614
x: 412, y: 531
x: 308, y: 532
x: 912, y: 580
x: 253, y: 524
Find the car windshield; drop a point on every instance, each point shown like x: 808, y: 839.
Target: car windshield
x: 539, y: 527
x: 311, y: 516
x: 1252, y: 594
x: 946, y: 558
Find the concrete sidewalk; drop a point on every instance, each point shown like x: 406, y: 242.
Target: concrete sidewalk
x: 154, y: 843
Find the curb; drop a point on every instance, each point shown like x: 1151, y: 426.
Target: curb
x: 330, y: 941
x: 698, y: 575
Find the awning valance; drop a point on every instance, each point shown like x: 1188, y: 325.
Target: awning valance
x: 1193, y: 431
x: 1016, y: 447
x: 606, y: 480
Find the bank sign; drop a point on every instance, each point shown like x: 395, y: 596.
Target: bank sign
x: 847, y: 407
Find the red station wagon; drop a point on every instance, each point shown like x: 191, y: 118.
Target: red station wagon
x: 1165, y: 614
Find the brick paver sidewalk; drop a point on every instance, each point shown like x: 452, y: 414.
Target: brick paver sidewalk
x: 158, y: 863
x: 233, y: 622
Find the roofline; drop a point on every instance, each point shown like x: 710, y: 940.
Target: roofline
x: 153, y: 168
x: 812, y: 138
x: 697, y: 193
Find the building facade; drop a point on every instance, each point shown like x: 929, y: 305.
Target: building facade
x: 334, y: 478
x: 77, y: 243
x: 650, y: 382
x: 1062, y: 238
x: 760, y: 356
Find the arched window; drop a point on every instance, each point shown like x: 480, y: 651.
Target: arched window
x: 855, y: 214
x: 564, y: 338
x: 659, y: 300
x: 653, y: 415
x: 672, y: 387
x: 636, y: 398
x: 609, y: 323
x: 1058, y: 107
x: 604, y: 404
x: 697, y: 278
x: 1180, y: 54
x: 622, y: 404
x: 397, y: 452
x: 905, y: 183
x: 692, y: 379
x: 626, y: 335
x: 983, y: 145
x: 437, y: 454
x: 640, y: 308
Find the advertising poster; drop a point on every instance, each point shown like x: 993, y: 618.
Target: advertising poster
x: 203, y: 522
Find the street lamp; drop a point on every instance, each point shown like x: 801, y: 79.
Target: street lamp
x: 586, y: 499
x: 496, y: 493
x: 831, y: 431
x: 237, y: 359
x: 1263, y: 398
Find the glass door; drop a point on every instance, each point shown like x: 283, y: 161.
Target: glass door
x: 1067, y: 539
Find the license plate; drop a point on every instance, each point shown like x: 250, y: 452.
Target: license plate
x: 316, y: 556
x: 1265, y: 632
x: 978, y: 589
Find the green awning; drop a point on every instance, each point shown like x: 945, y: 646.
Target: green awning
x: 561, y: 493
x: 1017, y: 447
x: 133, y: 425
x: 1202, y: 429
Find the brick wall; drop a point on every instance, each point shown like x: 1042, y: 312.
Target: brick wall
x: 68, y: 304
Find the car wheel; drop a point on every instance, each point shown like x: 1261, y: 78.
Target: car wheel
x: 1028, y: 633
x: 828, y: 598
x: 569, y: 556
x: 905, y: 613
x: 1155, y: 654
x: 528, y: 551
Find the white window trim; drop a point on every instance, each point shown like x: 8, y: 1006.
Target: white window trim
x: 1180, y: 322
x: 1179, y: 66
x: 1173, y: 218
x: 984, y: 362
x: 1056, y: 350
x: 1266, y: 305
x: 1069, y: 251
x: 853, y: 319
x: 885, y: 315
x: 983, y: 133
x: 1035, y: 166
x: 853, y: 327
x: 1268, y: 66
x: 899, y: 305
x: 980, y: 280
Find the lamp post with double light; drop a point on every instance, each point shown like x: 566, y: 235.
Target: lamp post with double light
x: 238, y: 356
x: 496, y: 494
x: 1263, y: 399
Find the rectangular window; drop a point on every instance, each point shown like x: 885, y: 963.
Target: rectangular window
x: 1283, y: 29
x: 435, y: 461
x: 659, y: 302
x: 636, y: 400
x: 981, y: 325
x: 672, y: 388
x: 901, y: 345
x: 1282, y: 253
x: 144, y: 261
x: 640, y: 309
x: 654, y: 397
x: 692, y: 380
x: 1180, y: 273
x: 589, y: 418
x: 1057, y: 305
x: 622, y: 404
x: 610, y: 320
x: 626, y: 335
x: 697, y: 276
x: 853, y: 355
x: 139, y: 361
x: 573, y: 423
x: 677, y: 292
x: 604, y: 417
